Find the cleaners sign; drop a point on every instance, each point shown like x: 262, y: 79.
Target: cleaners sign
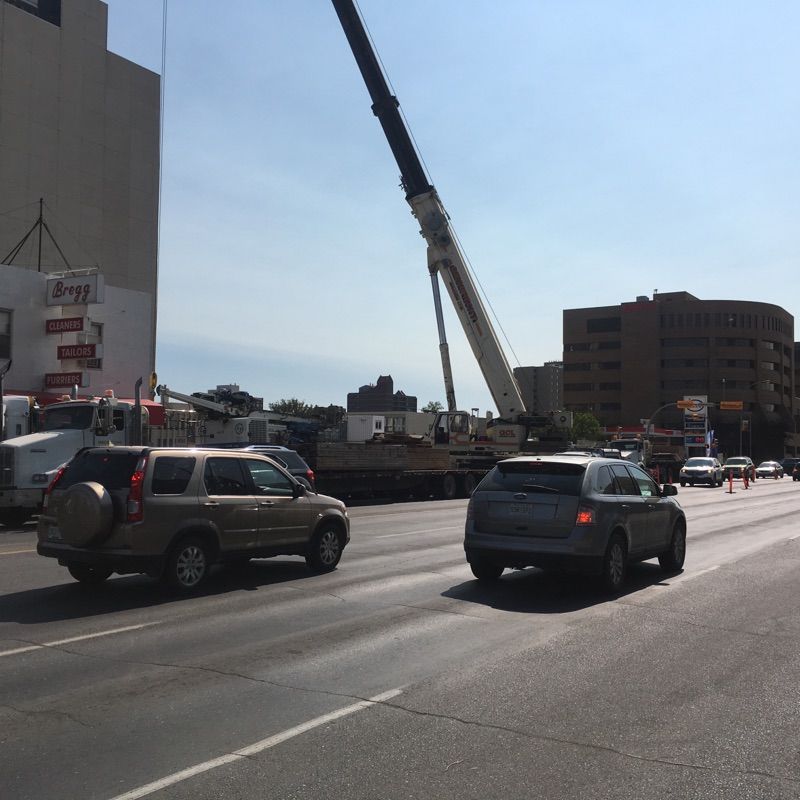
x: 65, y: 325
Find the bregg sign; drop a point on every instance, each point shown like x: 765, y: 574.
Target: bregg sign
x: 75, y: 289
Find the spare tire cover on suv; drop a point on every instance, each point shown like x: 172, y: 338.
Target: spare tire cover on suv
x: 86, y: 513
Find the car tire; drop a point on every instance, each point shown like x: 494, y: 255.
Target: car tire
x: 615, y: 564
x: 485, y: 571
x: 324, y: 549
x: 683, y: 484
x: 188, y: 564
x: 88, y: 575
x: 672, y: 560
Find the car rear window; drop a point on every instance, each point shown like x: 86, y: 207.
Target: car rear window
x: 171, y: 474
x: 534, y: 476
x: 108, y: 468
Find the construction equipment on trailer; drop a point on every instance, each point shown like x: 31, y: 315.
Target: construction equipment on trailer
x: 229, y: 417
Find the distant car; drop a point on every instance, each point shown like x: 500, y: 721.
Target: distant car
x: 796, y: 472
x: 701, y: 470
x: 737, y: 466
x: 579, y: 513
x: 788, y: 465
x: 769, y: 469
x: 290, y: 460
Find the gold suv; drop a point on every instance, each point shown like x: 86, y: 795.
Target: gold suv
x: 173, y: 512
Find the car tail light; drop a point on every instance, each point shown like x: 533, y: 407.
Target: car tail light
x: 585, y: 516
x: 310, y: 476
x: 52, y: 485
x: 135, y: 506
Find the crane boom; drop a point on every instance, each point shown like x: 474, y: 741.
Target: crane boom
x: 444, y: 255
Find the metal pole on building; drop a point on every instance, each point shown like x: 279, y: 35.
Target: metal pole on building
x: 137, y: 412
x: 3, y: 372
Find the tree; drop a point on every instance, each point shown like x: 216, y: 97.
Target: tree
x: 293, y: 407
x: 434, y: 406
x: 585, y: 426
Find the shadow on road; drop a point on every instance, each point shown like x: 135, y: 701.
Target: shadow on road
x: 72, y: 600
x: 532, y: 591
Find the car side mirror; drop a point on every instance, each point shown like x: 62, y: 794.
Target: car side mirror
x: 299, y: 490
x: 668, y: 490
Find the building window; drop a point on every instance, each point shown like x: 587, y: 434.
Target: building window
x: 613, y: 386
x: 699, y: 341
x: 575, y: 346
x: 682, y: 363
x: 603, y: 325
x: 609, y: 365
x: 578, y: 387
x: 94, y: 336
x: 615, y: 345
x: 581, y: 366
x: 610, y: 406
x: 5, y: 334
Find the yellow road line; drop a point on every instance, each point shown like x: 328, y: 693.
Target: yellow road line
x: 14, y: 552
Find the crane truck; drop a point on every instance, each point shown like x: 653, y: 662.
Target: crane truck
x: 514, y: 429
x: 227, y: 417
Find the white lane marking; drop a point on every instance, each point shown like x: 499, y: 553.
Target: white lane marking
x: 416, y: 533
x: 75, y: 639
x: 252, y: 749
x: 792, y: 538
x: 14, y: 552
x: 687, y: 577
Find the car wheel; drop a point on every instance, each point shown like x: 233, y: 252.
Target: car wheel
x: 187, y: 564
x: 683, y: 483
x: 691, y: 483
x: 87, y: 574
x: 672, y: 560
x: 484, y: 570
x: 325, y: 549
x: 615, y: 564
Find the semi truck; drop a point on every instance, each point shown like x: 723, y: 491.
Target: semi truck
x: 28, y: 462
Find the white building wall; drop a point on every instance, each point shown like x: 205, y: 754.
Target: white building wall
x: 127, y: 336
x: 79, y: 128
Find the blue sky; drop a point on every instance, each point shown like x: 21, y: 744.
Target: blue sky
x: 587, y: 152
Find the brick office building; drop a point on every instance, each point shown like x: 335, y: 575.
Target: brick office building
x: 624, y: 362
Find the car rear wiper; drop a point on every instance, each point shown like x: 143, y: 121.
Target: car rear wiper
x: 538, y: 487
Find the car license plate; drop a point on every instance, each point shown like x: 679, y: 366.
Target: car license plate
x: 54, y: 533
x: 520, y: 509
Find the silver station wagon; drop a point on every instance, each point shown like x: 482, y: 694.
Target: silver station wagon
x: 575, y: 513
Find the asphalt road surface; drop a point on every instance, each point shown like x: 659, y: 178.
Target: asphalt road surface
x: 398, y: 676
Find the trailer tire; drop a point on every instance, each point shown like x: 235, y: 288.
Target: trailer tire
x: 449, y: 486
x: 470, y: 482
x: 86, y: 514
x: 15, y: 517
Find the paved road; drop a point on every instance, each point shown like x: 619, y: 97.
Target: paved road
x: 398, y: 676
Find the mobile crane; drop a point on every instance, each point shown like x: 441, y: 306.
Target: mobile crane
x: 511, y: 429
